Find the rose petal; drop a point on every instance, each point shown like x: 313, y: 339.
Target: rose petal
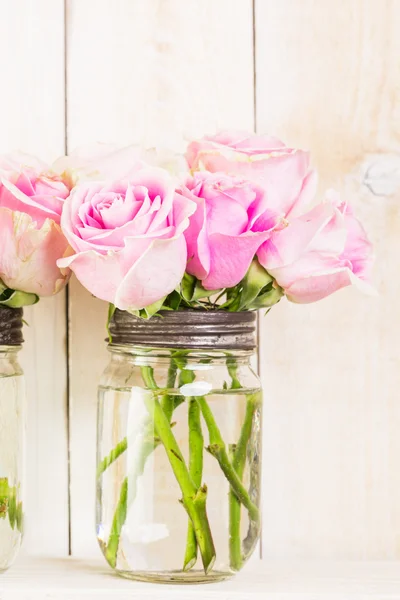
x: 196, y: 238
x: 99, y: 273
x: 154, y: 275
x: 38, y: 208
x: 317, y: 287
x: 226, y: 216
x: 306, y: 195
x: 182, y: 210
x: 230, y: 258
x: 289, y: 243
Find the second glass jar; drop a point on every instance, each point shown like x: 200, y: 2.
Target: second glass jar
x: 12, y: 436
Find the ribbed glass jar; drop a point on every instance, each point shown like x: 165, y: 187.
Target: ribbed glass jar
x: 12, y: 436
x: 179, y: 447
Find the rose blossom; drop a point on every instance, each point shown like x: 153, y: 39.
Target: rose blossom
x: 31, y: 201
x: 231, y: 222
x: 28, y: 254
x: 319, y: 253
x: 283, y: 172
x: 128, y: 237
x: 27, y: 182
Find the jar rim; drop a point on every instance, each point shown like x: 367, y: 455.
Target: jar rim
x: 186, y: 329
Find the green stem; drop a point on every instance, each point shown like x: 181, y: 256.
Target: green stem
x: 232, y: 370
x: 117, y: 524
x: 112, y: 457
x: 148, y: 378
x: 196, y: 443
x: 167, y: 401
x: 217, y: 449
x: 238, y: 463
x: 193, y: 499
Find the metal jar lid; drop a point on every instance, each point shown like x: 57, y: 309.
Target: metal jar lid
x: 189, y: 329
x: 10, y: 326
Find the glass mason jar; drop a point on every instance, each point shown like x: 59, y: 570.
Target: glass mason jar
x: 12, y: 399
x: 179, y: 447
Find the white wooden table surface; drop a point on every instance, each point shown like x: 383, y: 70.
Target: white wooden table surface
x: 62, y: 579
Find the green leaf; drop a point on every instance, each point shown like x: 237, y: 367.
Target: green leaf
x: 192, y: 290
x: 15, y: 299
x: 200, y: 292
x: 267, y: 299
x: 233, y: 299
x: 188, y: 285
x: 173, y: 301
x: 148, y: 311
x: 254, y: 281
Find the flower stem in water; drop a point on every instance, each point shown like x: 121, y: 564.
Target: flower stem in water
x: 238, y: 463
x: 196, y: 443
x: 217, y: 448
x: 193, y: 499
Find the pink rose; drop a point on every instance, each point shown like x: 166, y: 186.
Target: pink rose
x: 28, y: 254
x: 231, y: 222
x: 32, y: 188
x: 128, y: 238
x: 31, y: 240
x: 319, y: 253
x: 283, y: 172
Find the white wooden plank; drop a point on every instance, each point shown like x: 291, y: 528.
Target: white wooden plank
x: 32, y: 119
x: 148, y: 72
x: 270, y: 580
x: 328, y: 80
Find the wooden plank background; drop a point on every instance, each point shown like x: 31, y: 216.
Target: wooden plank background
x: 324, y: 76
x: 328, y: 79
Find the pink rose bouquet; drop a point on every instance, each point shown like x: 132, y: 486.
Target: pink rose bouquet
x: 239, y: 233
x: 234, y: 227
x: 31, y: 201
